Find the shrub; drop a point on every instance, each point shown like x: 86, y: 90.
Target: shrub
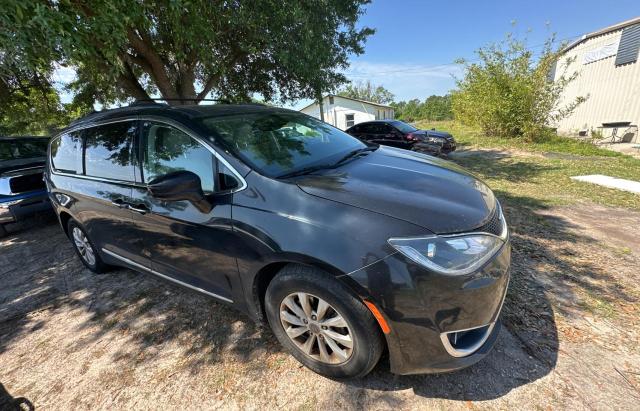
x: 508, y: 93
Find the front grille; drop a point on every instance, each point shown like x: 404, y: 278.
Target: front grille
x: 494, y: 225
x: 28, y: 182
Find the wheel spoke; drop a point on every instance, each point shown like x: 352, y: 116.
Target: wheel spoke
x: 336, y: 321
x: 295, y: 332
x: 291, y: 319
x: 322, y: 309
x: 308, y: 345
x: 337, y: 350
x: 342, y: 339
x: 293, y: 306
x: 306, y: 304
x: 324, y: 354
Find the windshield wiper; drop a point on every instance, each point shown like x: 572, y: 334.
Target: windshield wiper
x: 304, y: 171
x: 355, y: 153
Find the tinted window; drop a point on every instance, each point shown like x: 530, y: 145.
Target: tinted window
x: 108, y: 151
x: 279, y: 143
x: 404, y: 127
x: 168, y: 149
x: 66, y: 153
x: 22, y: 149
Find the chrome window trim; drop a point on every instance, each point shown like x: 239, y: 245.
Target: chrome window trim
x: 172, y: 123
x: 166, y: 277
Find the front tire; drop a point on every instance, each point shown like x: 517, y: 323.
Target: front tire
x: 322, y: 324
x: 85, y: 249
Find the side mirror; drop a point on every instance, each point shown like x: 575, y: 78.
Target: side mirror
x: 180, y: 185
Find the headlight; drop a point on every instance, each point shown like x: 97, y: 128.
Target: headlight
x: 453, y: 255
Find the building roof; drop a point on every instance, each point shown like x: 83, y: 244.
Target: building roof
x: 348, y: 98
x: 609, y: 29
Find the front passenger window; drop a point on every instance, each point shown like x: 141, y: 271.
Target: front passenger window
x: 167, y: 149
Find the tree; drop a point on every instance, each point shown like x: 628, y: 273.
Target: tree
x: 367, y: 91
x: 509, y: 94
x: 434, y: 108
x: 29, y: 104
x: 187, y: 49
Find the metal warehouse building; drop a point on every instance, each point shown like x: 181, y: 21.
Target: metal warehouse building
x: 609, y: 74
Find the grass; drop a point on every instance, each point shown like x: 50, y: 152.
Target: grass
x: 541, y: 172
x: 471, y: 138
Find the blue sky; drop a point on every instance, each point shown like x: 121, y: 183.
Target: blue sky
x: 416, y: 42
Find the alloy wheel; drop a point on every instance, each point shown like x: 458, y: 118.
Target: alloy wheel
x: 316, y: 328
x: 84, y: 247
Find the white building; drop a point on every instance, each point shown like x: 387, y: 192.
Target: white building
x: 344, y: 112
x: 609, y: 76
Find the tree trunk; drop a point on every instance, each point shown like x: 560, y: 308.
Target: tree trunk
x: 321, y: 104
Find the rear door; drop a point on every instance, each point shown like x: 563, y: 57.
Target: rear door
x: 184, y: 243
x: 104, y: 190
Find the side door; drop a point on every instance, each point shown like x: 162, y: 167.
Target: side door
x: 395, y: 137
x: 366, y: 132
x: 105, y: 188
x: 184, y: 243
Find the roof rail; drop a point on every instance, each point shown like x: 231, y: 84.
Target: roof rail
x: 153, y: 100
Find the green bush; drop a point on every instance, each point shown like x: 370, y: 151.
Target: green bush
x: 508, y: 93
x: 434, y: 108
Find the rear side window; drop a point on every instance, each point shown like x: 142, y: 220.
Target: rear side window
x: 66, y: 153
x: 108, y: 151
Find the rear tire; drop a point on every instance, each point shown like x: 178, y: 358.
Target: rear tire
x: 328, y: 329
x: 85, y: 249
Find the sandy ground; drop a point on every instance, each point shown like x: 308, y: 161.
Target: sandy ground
x: 73, y: 340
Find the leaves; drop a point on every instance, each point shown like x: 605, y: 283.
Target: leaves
x: 367, y: 91
x: 509, y: 94
x: 186, y: 49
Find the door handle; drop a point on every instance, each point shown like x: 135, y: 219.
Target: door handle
x: 139, y: 208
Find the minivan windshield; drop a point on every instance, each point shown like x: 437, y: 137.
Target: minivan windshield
x: 280, y: 143
x: 404, y: 127
x: 14, y: 149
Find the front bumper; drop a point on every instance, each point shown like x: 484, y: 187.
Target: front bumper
x: 423, y: 308
x: 20, y: 206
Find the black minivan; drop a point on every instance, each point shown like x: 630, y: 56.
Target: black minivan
x: 347, y: 249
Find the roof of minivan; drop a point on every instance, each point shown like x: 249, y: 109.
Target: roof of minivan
x: 176, y: 112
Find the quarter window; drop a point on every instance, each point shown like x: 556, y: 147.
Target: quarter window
x: 168, y: 149
x: 108, y: 151
x: 66, y: 153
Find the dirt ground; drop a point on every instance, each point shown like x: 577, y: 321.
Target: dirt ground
x: 73, y: 340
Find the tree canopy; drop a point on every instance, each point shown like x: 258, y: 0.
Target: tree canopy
x: 509, y: 93
x: 187, y: 49
x: 433, y: 108
x: 367, y: 91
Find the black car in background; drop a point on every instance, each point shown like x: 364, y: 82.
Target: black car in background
x: 396, y: 133
x: 345, y: 248
x: 22, y: 189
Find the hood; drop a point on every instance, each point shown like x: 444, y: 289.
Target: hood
x: 432, y: 193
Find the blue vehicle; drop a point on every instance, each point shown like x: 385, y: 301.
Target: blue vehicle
x: 22, y: 189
